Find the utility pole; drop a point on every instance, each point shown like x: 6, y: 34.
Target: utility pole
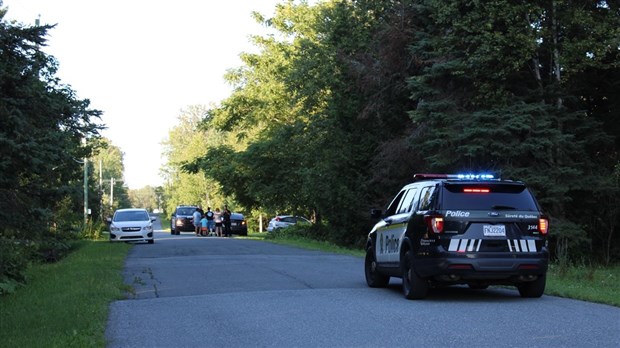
x: 100, y: 188
x: 85, y: 187
x: 112, y: 181
x: 111, y: 192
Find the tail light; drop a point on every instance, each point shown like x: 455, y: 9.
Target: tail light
x: 434, y: 223
x: 476, y: 190
x: 543, y: 225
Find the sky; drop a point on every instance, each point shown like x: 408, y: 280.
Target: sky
x: 141, y: 62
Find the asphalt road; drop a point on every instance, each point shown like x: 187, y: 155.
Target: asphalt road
x: 217, y: 292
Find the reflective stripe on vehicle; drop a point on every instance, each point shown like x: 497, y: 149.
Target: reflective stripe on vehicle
x: 522, y: 245
x: 514, y: 245
x: 462, y: 245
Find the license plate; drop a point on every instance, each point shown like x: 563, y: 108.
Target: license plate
x: 233, y: 224
x: 494, y: 230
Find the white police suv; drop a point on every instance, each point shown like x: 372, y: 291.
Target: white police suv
x: 446, y: 229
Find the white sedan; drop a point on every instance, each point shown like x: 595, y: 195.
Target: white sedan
x: 131, y: 225
x: 283, y: 221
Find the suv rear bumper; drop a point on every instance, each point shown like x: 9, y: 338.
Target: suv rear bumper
x: 482, y: 266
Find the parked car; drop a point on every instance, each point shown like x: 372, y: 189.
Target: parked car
x: 283, y: 221
x: 182, y: 220
x: 238, y: 225
x: 131, y: 225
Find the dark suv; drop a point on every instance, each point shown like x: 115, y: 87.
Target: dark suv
x: 459, y: 229
x: 182, y: 220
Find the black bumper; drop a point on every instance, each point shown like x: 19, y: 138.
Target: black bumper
x: 482, y: 266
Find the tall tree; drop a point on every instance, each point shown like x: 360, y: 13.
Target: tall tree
x: 187, y: 141
x: 43, y: 125
x: 107, y: 178
x: 495, y: 95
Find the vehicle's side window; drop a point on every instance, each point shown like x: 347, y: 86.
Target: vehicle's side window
x: 416, y: 199
x: 425, y: 197
x: 391, y: 210
x: 405, y: 205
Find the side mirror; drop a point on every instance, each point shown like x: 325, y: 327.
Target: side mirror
x: 153, y: 218
x: 375, y: 213
x: 108, y: 220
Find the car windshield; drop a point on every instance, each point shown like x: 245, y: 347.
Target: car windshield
x: 488, y: 197
x: 186, y: 211
x: 136, y: 215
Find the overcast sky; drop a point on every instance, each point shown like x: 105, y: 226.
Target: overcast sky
x: 142, y: 61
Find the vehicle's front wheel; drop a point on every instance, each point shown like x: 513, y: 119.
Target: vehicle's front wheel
x: 374, y: 279
x: 533, y: 289
x: 151, y: 241
x: 414, y: 287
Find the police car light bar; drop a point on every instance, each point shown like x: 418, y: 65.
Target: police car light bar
x: 453, y: 176
x: 475, y: 176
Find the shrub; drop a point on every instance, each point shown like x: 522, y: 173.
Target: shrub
x: 15, y: 256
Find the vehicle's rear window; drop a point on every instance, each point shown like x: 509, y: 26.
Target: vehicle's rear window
x: 487, y: 196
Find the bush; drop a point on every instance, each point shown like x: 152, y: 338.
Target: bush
x: 93, y: 230
x: 569, y: 242
x: 299, y: 231
x: 51, y: 249
x: 15, y: 256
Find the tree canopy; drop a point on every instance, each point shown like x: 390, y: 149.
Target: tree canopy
x: 45, y: 133
x: 347, y: 99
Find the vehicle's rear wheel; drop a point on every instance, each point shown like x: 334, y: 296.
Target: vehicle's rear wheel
x: 535, y: 288
x: 374, y: 279
x: 414, y: 287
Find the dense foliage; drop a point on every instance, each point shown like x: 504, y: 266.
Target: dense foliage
x: 43, y: 125
x: 347, y: 99
x: 187, y: 141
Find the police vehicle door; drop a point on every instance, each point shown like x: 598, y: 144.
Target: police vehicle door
x: 419, y: 234
x: 390, y: 235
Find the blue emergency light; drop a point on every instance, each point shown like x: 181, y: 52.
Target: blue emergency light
x: 454, y: 176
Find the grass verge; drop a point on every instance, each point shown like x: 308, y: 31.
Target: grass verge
x: 66, y: 304
x: 587, y: 283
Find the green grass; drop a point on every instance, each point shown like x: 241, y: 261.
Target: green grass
x: 165, y: 222
x: 592, y: 284
x: 66, y: 304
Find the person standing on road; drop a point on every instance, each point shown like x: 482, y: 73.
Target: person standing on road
x: 217, y: 217
x: 210, y: 222
x: 226, y: 222
x: 197, y: 217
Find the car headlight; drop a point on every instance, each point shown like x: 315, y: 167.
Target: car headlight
x: 179, y: 222
x: 114, y: 229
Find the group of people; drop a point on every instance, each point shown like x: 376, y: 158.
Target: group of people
x: 212, y: 223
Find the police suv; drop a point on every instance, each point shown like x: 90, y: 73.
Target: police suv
x: 446, y: 229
